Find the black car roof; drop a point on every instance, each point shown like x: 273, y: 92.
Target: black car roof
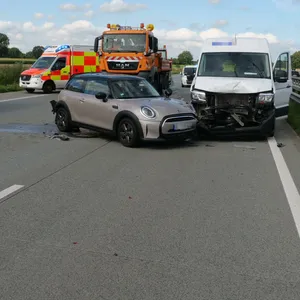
x: 105, y: 75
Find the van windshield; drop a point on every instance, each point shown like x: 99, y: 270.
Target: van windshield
x: 235, y: 64
x: 44, y: 62
x: 189, y: 71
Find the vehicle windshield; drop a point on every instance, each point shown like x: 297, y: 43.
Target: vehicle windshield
x: 163, y: 54
x: 132, y: 88
x: 189, y: 71
x: 124, y: 42
x: 235, y: 64
x: 44, y: 62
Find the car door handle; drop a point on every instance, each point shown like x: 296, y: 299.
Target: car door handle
x: 288, y: 86
x: 81, y: 100
x: 115, y: 106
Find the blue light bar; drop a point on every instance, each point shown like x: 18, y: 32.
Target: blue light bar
x: 62, y: 47
x: 222, y: 43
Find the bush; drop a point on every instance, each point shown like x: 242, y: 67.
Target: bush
x: 11, y: 61
x: 10, y: 74
x: 10, y: 88
x: 294, y: 115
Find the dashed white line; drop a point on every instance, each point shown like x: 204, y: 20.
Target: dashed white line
x: 289, y: 186
x: 10, y: 190
x: 21, y: 98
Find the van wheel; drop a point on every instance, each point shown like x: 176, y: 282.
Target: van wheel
x: 30, y: 91
x: 48, y: 87
x: 63, y: 120
x: 128, y: 134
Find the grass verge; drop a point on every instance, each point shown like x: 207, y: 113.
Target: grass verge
x: 9, y: 77
x: 11, y: 61
x: 176, y: 69
x: 294, y: 115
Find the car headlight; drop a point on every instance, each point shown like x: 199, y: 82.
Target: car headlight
x: 148, y: 112
x: 198, y: 96
x: 37, y: 76
x: 265, y: 98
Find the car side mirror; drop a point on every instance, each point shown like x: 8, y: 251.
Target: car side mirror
x: 281, y: 76
x: 168, y: 92
x: 102, y: 96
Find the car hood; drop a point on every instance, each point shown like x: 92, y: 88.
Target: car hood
x: 163, y: 106
x: 233, y: 85
x: 33, y: 71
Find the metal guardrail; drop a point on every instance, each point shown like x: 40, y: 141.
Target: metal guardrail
x: 295, y: 95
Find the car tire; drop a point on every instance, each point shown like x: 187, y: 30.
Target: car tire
x: 48, y: 87
x: 30, y: 91
x: 63, y: 120
x: 128, y: 134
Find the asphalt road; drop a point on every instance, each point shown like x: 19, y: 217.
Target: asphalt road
x: 90, y: 219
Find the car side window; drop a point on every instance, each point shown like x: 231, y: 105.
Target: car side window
x: 96, y: 85
x: 76, y: 85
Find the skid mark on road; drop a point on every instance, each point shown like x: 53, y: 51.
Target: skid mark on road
x: 289, y: 186
x: 10, y: 190
x: 21, y: 98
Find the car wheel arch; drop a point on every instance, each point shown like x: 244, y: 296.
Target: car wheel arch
x: 63, y: 104
x: 127, y: 114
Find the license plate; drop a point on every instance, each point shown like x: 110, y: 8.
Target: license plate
x: 182, y: 126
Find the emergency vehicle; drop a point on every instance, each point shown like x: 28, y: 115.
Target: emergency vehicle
x: 133, y: 50
x: 56, y: 65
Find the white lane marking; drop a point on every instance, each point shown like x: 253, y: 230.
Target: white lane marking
x: 20, y: 98
x: 289, y: 186
x: 10, y: 190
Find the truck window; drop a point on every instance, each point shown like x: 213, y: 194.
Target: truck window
x: 44, y: 62
x: 124, y: 42
x: 235, y: 64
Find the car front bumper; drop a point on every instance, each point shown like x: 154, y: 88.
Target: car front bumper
x: 264, y: 128
x: 170, y: 127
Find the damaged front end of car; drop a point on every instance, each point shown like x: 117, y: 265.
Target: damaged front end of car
x: 233, y: 113
x: 53, y: 105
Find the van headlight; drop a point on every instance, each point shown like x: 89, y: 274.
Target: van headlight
x: 148, y: 112
x: 198, y: 96
x: 265, y: 98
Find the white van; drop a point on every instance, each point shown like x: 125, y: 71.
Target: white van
x: 236, y: 88
x: 187, y: 75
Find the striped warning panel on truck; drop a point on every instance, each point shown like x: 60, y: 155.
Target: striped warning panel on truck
x: 125, y: 58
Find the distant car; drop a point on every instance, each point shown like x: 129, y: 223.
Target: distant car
x: 187, y: 75
x: 295, y: 73
x: 127, y: 106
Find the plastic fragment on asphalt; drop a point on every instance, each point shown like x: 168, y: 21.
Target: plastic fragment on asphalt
x: 280, y: 145
x: 60, y: 137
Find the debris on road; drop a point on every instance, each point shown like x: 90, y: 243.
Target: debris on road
x: 280, y: 145
x: 209, y: 145
x: 245, y: 147
x: 60, y: 137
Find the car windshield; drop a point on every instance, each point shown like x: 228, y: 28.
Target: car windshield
x: 132, y: 88
x: 124, y: 42
x: 235, y: 64
x: 44, y: 62
x: 189, y: 71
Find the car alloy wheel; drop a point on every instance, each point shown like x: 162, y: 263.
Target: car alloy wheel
x: 127, y: 133
x: 62, y: 120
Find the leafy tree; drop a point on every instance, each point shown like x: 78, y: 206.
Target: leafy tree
x: 14, y: 52
x: 29, y: 54
x: 37, y: 51
x: 296, y: 60
x: 185, y: 58
x: 4, y: 43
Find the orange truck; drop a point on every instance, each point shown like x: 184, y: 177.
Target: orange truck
x: 56, y: 65
x: 132, y: 50
x: 166, y: 64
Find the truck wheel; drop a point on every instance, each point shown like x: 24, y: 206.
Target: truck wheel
x: 63, y: 120
x: 128, y: 134
x: 30, y: 91
x: 48, y: 87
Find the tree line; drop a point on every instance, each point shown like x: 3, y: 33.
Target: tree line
x: 14, y: 52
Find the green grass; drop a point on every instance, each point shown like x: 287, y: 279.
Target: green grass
x: 176, y: 69
x: 9, y: 77
x: 10, y: 61
x: 294, y: 115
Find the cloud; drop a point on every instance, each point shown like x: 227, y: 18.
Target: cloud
x: 28, y: 34
x: 39, y: 15
x: 89, y: 13
x: 214, y: 1
x: 220, y: 23
x: 115, y: 6
x: 69, y: 7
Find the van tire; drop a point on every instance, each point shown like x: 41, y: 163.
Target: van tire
x: 48, y: 87
x: 30, y: 91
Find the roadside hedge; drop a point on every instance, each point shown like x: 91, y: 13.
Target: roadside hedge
x: 16, y: 61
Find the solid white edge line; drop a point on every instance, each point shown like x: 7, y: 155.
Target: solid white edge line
x: 10, y: 190
x: 289, y: 186
x: 20, y: 98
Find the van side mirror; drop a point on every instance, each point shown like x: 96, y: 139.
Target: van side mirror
x: 102, y: 96
x: 280, y: 76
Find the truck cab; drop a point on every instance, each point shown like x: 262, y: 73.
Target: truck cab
x: 236, y: 88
